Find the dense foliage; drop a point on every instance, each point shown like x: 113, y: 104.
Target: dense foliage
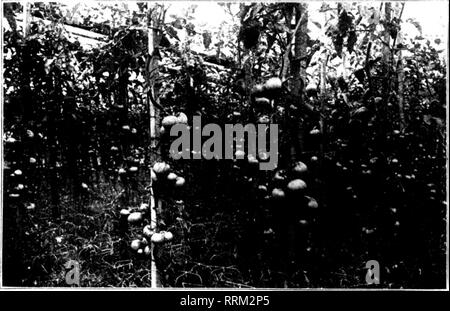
x: 361, y: 114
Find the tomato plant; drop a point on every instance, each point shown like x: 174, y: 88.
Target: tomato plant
x: 91, y: 92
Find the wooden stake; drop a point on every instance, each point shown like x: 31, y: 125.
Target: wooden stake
x: 401, y: 79
x: 26, y: 18
x: 152, y: 65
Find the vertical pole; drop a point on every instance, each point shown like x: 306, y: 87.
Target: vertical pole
x: 387, y: 50
x: 153, y: 224
x: 295, y: 239
x: 400, y: 74
x: 155, y: 204
x: 401, y: 78
x: 299, y: 70
x: 25, y: 18
x: 153, y: 218
x: 344, y: 66
x: 152, y: 111
x: 323, y: 98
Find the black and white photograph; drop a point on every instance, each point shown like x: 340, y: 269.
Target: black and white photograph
x: 224, y: 145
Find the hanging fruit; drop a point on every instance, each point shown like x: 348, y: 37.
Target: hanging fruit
x: 143, y: 207
x: 273, y: 85
x: 157, y: 238
x: 312, y: 203
x: 262, y: 102
x: 179, y: 181
x: 135, y: 217
x: 182, y: 118
x: 278, y: 193
x: 300, y: 168
x: 125, y: 212
x: 296, y: 185
x: 168, y: 121
x: 148, y: 231
x: 257, y: 89
x: 161, y: 167
x: 172, y: 176
x: 135, y: 244
x: 168, y: 236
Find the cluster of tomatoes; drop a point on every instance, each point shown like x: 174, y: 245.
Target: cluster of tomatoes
x: 163, y: 176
